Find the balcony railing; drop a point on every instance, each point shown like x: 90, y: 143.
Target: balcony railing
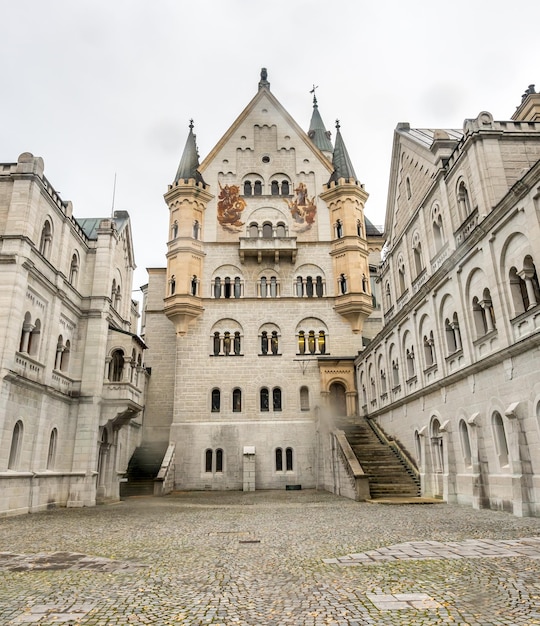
x: 465, y: 230
x: 277, y: 248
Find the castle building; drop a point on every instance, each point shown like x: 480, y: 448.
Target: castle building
x: 266, y: 298
x: 71, y: 363
x: 454, y: 375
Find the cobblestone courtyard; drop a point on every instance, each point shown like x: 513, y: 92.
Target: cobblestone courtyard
x: 304, y: 558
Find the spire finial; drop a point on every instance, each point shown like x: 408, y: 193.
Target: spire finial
x: 337, y: 125
x: 314, y: 96
x: 191, y: 124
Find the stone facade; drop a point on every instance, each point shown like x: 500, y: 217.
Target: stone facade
x: 254, y: 324
x: 71, y: 365
x: 454, y: 374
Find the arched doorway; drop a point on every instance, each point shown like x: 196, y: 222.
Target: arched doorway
x: 338, y: 399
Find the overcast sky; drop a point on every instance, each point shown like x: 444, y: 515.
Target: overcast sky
x: 98, y: 87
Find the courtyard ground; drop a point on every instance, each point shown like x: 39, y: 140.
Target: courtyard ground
x: 269, y: 558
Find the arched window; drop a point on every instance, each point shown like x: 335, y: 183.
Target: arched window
x: 518, y: 289
x: 322, y: 342
x: 499, y: 434
x: 410, y: 363
x: 273, y: 287
x: 264, y: 342
x: 45, y: 242
x: 301, y: 342
x: 172, y: 283
x: 51, y: 454
x: 64, y: 358
x: 479, y: 316
x: 196, y: 229
x: 258, y: 188
x: 217, y: 287
x: 309, y: 287
x: 174, y: 230
x: 116, y: 366
x: 312, y: 346
x: 359, y: 230
x: 208, y: 456
x: 237, y: 287
x: 279, y: 460
x: 299, y: 287
x: 289, y: 459
x: 226, y: 343
x: 453, y: 335
x: 319, y: 287
x: 267, y: 231
x: 237, y: 401
x: 227, y: 291
x: 418, y: 260
x: 437, y: 446
x: 388, y: 295
x: 216, y: 400
x: 418, y: 448
x: 16, y: 444
x: 383, y: 382
x: 437, y: 224
x: 285, y: 188
x: 281, y: 231
x: 247, y: 188
x: 465, y: 443
x: 264, y: 398
x: 276, y: 399
x: 275, y: 188
x: 253, y: 231
x: 304, y: 399
x: 216, y: 344
x: 219, y: 461
x: 464, y: 202
x: 194, y: 285
x: 237, y: 343
x: 395, y: 373
x: 264, y: 290
x: 274, y: 342
x: 339, y: 229
x: 74, y: 270
x: 401, y: 275
x: 429, y: 350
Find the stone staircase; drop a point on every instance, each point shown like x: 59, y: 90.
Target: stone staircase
x: 390, y: 476
x: 143, y: 468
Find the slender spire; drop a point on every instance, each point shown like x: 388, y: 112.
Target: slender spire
x: 189, y: 163
x: 343, y: 167
x: 317, y: 131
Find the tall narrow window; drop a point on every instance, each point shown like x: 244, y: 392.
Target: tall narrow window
x: 302, y: 342
x: 237, y: 401
x: 51, y: 454
x: 275, y: 188
x: 116, y: 366
x: 299, y: 287
x: 216, y: 344
x: 219, y: 460
x: 289, y: 459
x: 253, y: 231
x: 267, y: 231
x: 309, y: 287
x: 264, y: 289
x: 319, y: 287
x: 46, y: 239
x: 237, y: 343
x: 174, y: 230
x: 227, y: 287
x: 258, y: 188
x: 196, y: 229
x: 273, y: 287
x: 33, y: 340
x: 501, y: 444
x: 226, y: 343
x: 276, y: 399
x: 284, y: 187
x: 73, y: 270
x: 216, y: 400
x: 16, y: 443
x: 280, y: 230
x: 322, y: 342
x: 339, y: 229
x: 311, y: 342
x: 172, y: 283
x: 264, y: 399
x: 194, y: 285
x: 463, y: 200
x: 279, y: 460
x: 465, y: 443
x: 264, y: 342
x: 342, y: 284
x: 64, y: 358
x: 304, y: 399
x: 208, y: 455
x: 247, y: 188
x: 237, y: 287
x: 217, y: 287
x: 359, y: 228
x: 274, y: 342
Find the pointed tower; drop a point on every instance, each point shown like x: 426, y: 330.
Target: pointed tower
x: 317, y: 131
x: 346, y: 198
x: 186, y: 198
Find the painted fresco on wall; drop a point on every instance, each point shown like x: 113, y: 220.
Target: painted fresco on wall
x: 229, y: 208
x: 303, y: 209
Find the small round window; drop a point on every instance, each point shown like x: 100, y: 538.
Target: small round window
x: 266, y: 159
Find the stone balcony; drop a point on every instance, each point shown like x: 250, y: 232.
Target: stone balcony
x: 275, y: 249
